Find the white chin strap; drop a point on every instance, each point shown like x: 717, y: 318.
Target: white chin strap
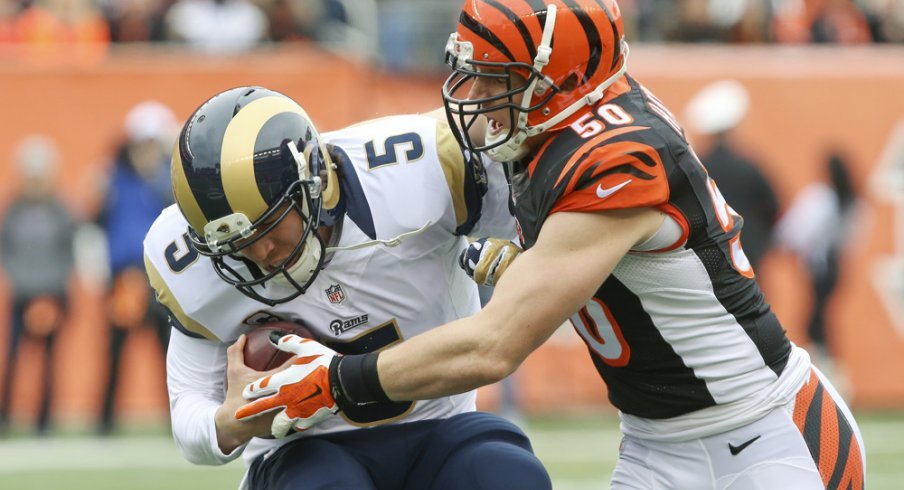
x: 307, y: 262
x: 305, y: 266
x: 514, y: 149
x: 309, y: 258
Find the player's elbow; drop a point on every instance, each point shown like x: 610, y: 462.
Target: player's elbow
x: 202, y: 456
x: 498, y: 353
x: 195, y: 458
x: 499, y: 369
x: 497, y: 362
x: 196, y: 455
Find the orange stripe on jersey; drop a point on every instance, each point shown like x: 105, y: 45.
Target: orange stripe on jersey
x: 619, y: 175
x: 590, y: 144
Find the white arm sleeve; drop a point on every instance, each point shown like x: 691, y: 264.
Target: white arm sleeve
x: 195, y: 378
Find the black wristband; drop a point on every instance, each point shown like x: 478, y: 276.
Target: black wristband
x: 354, y: 380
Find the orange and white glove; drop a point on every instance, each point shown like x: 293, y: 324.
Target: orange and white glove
x: 301, y: 391
x: 486, y: 259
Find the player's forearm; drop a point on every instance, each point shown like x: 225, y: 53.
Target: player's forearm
x: 195, y: 393
x: 195, y: 432
x: 230, y: 433
x: 430, y: 365
x: 452, y: 359
x: 474, y: 351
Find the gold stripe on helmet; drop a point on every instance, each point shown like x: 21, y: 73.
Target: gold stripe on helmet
x: 184, y: 196
x: 453, y: 165
x: 166, y: 298
x: 237, y: 153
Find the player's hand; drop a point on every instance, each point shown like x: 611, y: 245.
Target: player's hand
x: 301, y: 392
x: 486, y: 259
x: 232, y: 433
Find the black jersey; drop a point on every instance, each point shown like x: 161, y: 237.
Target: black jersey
x: 678, y: 327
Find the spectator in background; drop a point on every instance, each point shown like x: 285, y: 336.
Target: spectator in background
x: 36, y: 241
x: 139, y: 188
x: 887, y: 20
x: 815, y: 228
x: 714, y: 112
x: 136, y: 21
x: 8, y: 11
x: 694, y: 23
x: 217, y: 26
x: 327, y: 21
x: 60, y: 31
x: 820, y: 21
x: 841, y: 21
x: 714, y: 20
x: 292, y: 20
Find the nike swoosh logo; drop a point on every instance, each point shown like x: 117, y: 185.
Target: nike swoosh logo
x: 737, y: 449
x: 312, y: 395
x: 603, y: 192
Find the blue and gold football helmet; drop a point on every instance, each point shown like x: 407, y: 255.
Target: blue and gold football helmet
x: 245, y: 160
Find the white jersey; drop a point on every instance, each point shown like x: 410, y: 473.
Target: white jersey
x: 394, y: 275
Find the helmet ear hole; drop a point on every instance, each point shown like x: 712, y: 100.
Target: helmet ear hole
x: 569, y: 84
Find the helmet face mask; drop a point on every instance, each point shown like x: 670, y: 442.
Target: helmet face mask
x: 264, y: 169
x: 233, y: 267
x: 465, y: 111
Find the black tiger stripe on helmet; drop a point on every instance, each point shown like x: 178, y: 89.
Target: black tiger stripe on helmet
x: 591, y: 30
x: 529, y: 42
x: 592, y: 35
x: 487, y: 35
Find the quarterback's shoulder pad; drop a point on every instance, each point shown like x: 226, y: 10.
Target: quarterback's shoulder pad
x: 174, y: 271
x: 617, y: 169
x: 411, y: 167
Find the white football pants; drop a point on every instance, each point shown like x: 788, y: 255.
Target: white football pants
x: 811, y: 443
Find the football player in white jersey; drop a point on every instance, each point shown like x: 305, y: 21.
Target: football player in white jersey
x: 356, y: 234
x: 627, y: 236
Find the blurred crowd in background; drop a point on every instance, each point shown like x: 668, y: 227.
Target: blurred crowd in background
x: 377, y: 30
x: 405, y: 35
x: 43, y: 245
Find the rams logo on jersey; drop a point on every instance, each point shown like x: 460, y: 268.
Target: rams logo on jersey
x: 339, y: 325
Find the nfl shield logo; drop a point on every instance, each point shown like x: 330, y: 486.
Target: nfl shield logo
x: 335, y: 294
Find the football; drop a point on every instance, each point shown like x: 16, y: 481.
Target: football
x: 260, y: 350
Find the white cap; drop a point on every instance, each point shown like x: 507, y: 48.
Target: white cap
x: 37, y: 156
x: 717, y: 107
x: 150, y: 120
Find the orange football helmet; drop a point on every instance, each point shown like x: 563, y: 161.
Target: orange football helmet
x: 569, y: 51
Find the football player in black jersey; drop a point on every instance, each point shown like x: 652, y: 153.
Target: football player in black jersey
x: 625, y: 234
